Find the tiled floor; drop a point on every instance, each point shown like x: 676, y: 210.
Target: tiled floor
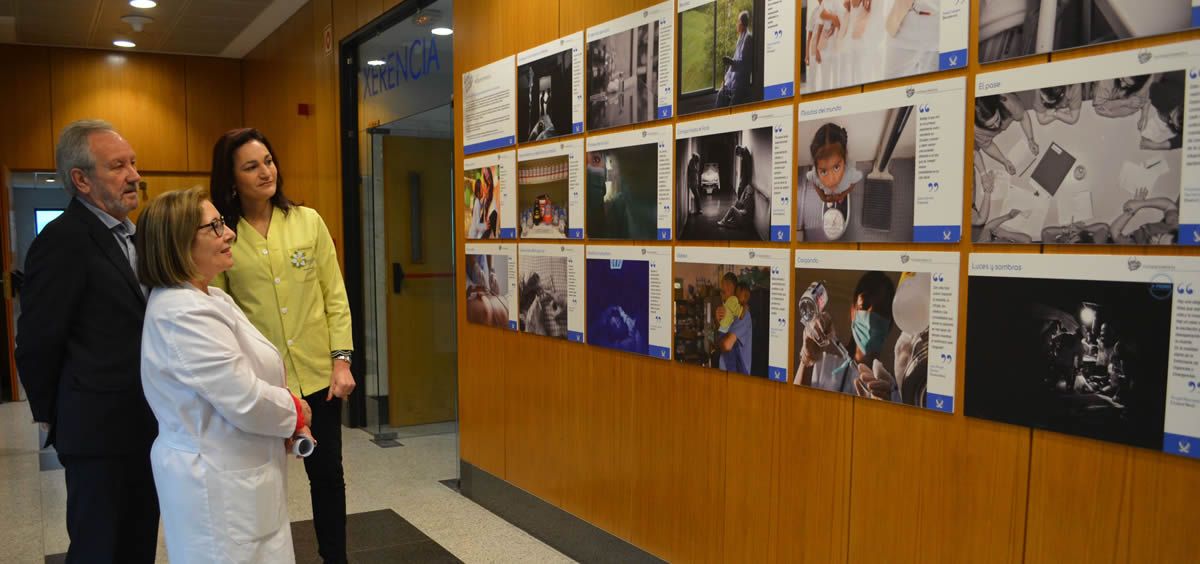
x: 403, y: 479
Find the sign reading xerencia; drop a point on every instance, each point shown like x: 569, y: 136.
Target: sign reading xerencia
x: 410, y: 62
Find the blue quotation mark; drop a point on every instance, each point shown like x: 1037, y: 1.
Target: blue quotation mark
x: 1185, y: 289
x: 934, y: 186
x: 924, y: 109
x: 939, y: 277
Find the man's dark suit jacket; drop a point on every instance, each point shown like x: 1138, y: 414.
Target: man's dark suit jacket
x: 79, y: 339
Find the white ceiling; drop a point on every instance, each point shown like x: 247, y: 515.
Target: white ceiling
x: 225, y: 28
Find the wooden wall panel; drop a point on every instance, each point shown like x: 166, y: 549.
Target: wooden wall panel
x: 752, y: 429
x: 143, y: 95
x: 29, y: 133
x: 327, y: 180
x: 214, y: 105
x: 535, y: 386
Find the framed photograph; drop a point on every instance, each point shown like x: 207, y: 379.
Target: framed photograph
x: 880, y: 325
x: 631, y: 68
x: 489, y: 107
x: 491, y: 275
x: 550, y: 191
x: 855, y: 42
x: 489, y: 196
x: 1098, y: 346
x: 733, y: 177
x: 1089, y: 151
x: 628, y: 299
x: 550, y: 290
x: 629, y: 185
x: 550, y: 90
x: 882, y: 166
x: 731, y: 309
x: 1016, y: 28
x: 734, y: 52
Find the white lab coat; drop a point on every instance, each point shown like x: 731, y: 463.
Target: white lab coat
x: 217, y: 387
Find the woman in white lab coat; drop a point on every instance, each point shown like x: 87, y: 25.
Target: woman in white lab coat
x: 218, y: 389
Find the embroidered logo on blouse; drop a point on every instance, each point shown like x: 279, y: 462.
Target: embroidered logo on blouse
x: 300, y: 259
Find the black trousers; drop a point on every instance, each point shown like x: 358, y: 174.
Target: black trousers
x: 326, y: 482
x: 112, y: 509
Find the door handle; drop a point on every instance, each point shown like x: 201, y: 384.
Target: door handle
x: 397, y: 278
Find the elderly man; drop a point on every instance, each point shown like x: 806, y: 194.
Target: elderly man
x: 78, y: 350
x: 740, y: 67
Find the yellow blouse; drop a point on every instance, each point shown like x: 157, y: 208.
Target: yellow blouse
x: 290, y: 286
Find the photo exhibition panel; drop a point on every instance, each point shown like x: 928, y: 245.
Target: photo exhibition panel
x: 1090, y: 151
x: 550, y: 291
x: 878, y: 324
x: 1016, y: 28
x: 550, y: 90
x: 550, y: 191
x: 882, y: 166
x: 734, y: 52
x: 491, y: 275
x: 629, y: 299
x: 629, y: 185
x: 731, y: 309
x: 851, y: 42
x: 490, y: 107
x: 1099, y: 346
x: 631, y: 68
x: 733, y: 177
x: 489, y: 187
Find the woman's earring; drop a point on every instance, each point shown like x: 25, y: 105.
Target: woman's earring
x: 235, y: 191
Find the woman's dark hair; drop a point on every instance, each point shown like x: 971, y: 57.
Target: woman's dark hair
x: 1166, y: 96
x: 987, y: 107
x: 222, y: 182
x: 829, y: 139
x: 877, y: 291
x: 1137, y: 83
x: 1054, y: 95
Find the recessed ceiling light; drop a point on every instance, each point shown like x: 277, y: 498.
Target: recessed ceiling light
x: 143, y: 4
x: 441, y: 31
x: 124, y: 43
x: 376, y: 62
x: 50, y: 180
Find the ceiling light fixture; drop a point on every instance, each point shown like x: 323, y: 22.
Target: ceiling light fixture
x: 441, y: 31
x: 124, y: 43
x: 143, y: 4
x: 376, y: 62
x: 137, y: 22
x: 50, y: 180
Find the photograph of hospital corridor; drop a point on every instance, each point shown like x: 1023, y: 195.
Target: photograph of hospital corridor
x: 618, y: 304
x: 481, y: 203
x: 622, y: 193
x: 542, y: 296
x: 544, y: 98
x: 487, y: 289
x: 542, y: 197
x: 1095, y: 162
x: 721, y: 55
x: 864, y: 333
x: 857, y: 176
x: 723, y: 186
x: 721, y: 316
x: 622, y: 80
x: 850, y: 42
x: 1015, y: 28
x: 1084, y: 357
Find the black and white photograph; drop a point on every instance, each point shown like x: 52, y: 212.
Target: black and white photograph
x: 542, y: 296
x: 622, y: 78
x: 622, y: 192
x: 1016, y: 28
x: 1091, y: 162
x: 721, y: 54
x: 856, y: 177
x: 864, y: 333
x: 722, y: 314
x: 723, y: 186
x: 545, y: 97
x: 1082, y: 357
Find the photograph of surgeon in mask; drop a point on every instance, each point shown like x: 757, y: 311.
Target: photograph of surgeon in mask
x: 864, y: 333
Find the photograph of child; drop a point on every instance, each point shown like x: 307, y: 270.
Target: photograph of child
x: 853, y: 42
x: 721, y: 315
x: 622, y: 79
x: 618, y: 304
x: 1088, y: 163
x: 723, y: 186
x: 542, y: 296
x: 720, y: 55
x: 487, y: 289
x: 481, y: 201
x: 542, y: 197
x: 856, y: 178
x: 622, y: 192
x: 544, y: 98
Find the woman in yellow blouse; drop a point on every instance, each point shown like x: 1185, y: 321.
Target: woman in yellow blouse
x: 287, y: 281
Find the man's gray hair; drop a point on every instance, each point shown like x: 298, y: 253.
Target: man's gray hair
x: 744, y: 18
x: 75, y: 151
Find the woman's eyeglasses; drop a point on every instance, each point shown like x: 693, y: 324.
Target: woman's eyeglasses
x: 217, y: 225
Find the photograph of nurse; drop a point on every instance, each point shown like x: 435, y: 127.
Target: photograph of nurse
x: 864, y: 333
